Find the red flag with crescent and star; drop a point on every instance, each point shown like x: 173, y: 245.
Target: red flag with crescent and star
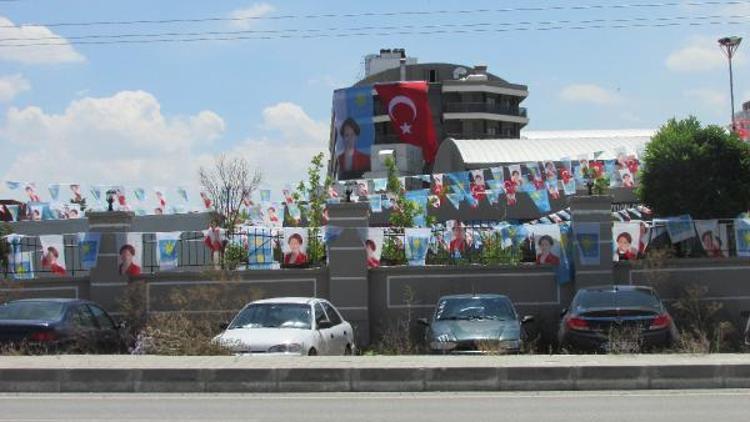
x: 410, y: 114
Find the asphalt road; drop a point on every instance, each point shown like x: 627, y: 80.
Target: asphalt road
x: 662, y: 406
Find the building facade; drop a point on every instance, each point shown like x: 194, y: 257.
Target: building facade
x: 466, y: 103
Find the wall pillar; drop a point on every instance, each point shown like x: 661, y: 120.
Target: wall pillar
x: 107, y: 284
x: 594, y: 209
x: 347, y: 266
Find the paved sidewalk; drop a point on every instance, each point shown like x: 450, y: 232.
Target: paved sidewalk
x: 126, y: 373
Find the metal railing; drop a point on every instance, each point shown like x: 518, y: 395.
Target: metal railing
x: 69, y: 257
x: 459, y: 107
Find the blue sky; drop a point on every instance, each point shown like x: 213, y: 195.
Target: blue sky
x: 150, y: 114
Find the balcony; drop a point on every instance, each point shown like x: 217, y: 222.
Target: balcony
x: 485, y: 108
x: 477, y: 135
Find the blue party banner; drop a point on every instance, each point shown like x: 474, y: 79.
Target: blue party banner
x: 416, y: 244
x: 680, y: 228
x: 587, y: 243
x: 88, y: 246
x: 260, y: 249
x: 167, y: 250
x: 541, y: 200
x: 742, y: 236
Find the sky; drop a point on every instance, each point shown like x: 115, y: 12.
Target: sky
x: 150, y: 114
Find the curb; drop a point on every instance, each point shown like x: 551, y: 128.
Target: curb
x: 373, y: 379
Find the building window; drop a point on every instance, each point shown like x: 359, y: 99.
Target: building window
x: 433, y: 75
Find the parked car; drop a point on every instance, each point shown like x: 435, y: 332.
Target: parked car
x: 60, y: 325
x: 475, y: 324
x: 289, y: 326
x: 599, y: 316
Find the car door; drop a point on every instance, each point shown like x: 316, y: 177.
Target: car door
x: 324, y: 334
x: 108, y: 337
x: 339, y: 329
x: 82, y: 328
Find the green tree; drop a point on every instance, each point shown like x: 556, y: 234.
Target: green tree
x: 315, y: 192
x: 690, y: 169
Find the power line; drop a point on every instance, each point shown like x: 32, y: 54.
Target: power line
x: 396, y: 13
x: 468, y: 30
x: 368, y: 28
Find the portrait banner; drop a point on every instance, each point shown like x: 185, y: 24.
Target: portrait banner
x: 130, y: 254
x: 416, y: 244
x: 547, y: 243
x: 167, y: 250
x: 566, y: 176
x: 713, y: 238
x: 53, y: 254
x: 294, y: 247
x: 354, y: 130
x: 627, y: 240
x: 374, y: 246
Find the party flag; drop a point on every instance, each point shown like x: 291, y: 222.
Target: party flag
x: 680, y: 228
x: 54, y: 191
x: 260, y: 249
x: 140, y: 194
x: 21, y: 265
x: 53, y: 253
x: 13, y: 185
x: 88, y: 244
x: 182, y: 193
x: 265, y: 195
x: 379, y: 185
x: 374, y: 246
x: 166, y: 249
x: 376, y: 202
x: 541, y: 200
x: 587, y: 242
x: 417, y: 241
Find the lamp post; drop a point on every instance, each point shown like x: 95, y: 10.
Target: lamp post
x: 729, y: 46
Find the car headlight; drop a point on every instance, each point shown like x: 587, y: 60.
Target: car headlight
x: 286, y: 348
x: 444, y: 341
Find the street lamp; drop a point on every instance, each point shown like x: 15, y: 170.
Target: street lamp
x: 729, y: 46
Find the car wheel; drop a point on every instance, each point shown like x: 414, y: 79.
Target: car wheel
x: 348, y: 350
x: 312, y: 352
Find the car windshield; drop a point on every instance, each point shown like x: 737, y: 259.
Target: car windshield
x: 32, y: 310
x: 274, y: 315
x: 588, y: 299
x: 474, y: 308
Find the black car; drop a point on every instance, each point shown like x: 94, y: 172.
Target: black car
x: 600, y: 317
x: 59, y: 325
x: 475, y: 324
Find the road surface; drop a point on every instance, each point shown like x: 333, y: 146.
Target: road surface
x: 664, y: 406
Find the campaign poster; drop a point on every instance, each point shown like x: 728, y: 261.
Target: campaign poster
x: 566, y: 176
x: 713, y: 237
x: 626, y: 178
x: 477, y: 184
x: 547, y: 243
x: 53, y: 254
x: 294, y: 247
x: 374, y: 246
x: 22, y: 265
x: 260, y: 249
x: 459, y: 240
x: 680, y: 228
x: 742, y: 236
x: 627, y: 238
x: 272, y: 214
x: 130, y: 253
x: 534, y: 180
x: 353, y: 131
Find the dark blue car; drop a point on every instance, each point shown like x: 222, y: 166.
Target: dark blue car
x: 59, y: 325
x: 600, y: 316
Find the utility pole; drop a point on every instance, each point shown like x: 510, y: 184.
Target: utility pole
x: 729, y: 46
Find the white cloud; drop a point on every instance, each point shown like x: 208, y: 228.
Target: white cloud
x: 128, y: 139
x: 707, y: 97
x: 249, y: 14
x: 12, y: 85
x: 124, y: 139
x: 701, y: 54
x: 283, y: 155
x: 15, y: 35
x: 589, y: 93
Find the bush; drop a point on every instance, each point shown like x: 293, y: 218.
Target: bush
x: 701, y: 171
x: 234, y: 255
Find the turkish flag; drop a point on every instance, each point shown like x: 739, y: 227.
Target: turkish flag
x: 409, y: 110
